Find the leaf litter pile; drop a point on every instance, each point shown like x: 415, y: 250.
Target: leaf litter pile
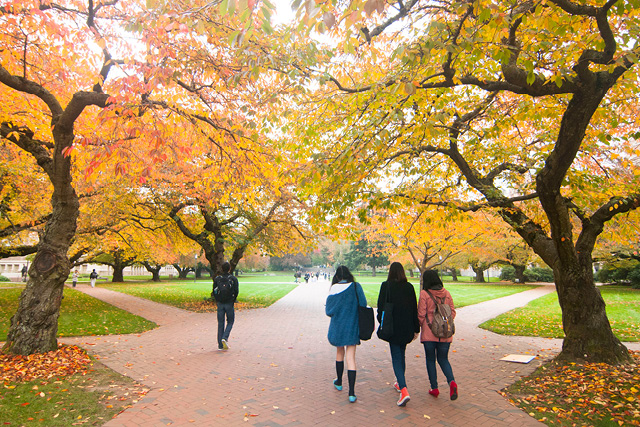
x: 581, y: 394
x: 61, y: 388
x: 67, y: 360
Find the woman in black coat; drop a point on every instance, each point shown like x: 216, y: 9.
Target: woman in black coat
x: 406, y: 327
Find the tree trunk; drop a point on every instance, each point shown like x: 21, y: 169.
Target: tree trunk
x: 519, y: 273
x: 155, y: 271
x: 182, y: 272
x: 118, y: 275
x: 588, y: 334
x: 454, y: 275
x: 34, y: 326
x: 479, y: 274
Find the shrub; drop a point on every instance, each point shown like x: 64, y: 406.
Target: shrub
x: 634, y: 277
x: 621, y: 272
x: 508, y: 273
x: 539, y: 274
x: 4, y: 279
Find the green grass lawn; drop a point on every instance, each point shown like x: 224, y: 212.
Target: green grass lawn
x: 542, y: 317
x: 12, y: 285
x: 255, y: 291
x: 263, y: 289
x: 80, y: 315
x: 462, y: 294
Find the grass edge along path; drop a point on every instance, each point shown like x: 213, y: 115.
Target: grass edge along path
x: 80, y: 315
x: 543, y: 318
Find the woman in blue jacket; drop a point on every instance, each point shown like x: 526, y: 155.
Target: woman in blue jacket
x: 342, y: 307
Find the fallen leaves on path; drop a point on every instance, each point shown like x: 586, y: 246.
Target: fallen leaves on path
x: 581, y: 394
x: 66, y: 360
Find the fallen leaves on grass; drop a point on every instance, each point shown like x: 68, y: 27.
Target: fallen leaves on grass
x: 581, y: 394
x: 66, y: 360
x: 210, y: 307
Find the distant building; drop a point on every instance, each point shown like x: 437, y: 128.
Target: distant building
x: 11, y: 269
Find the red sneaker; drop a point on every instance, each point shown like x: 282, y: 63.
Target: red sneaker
x: 434, y: 392
x: 453, y: 390
x: 397, y: 387
x: 404, y: 397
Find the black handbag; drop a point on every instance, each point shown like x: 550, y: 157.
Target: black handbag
x: 366, y: 324
x: 385, y: 330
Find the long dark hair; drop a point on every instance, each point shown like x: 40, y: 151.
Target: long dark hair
x: 431, y: 280
x: 342, y: 273
x: 396, y: 273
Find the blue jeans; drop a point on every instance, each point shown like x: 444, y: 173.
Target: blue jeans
x: 398, y: 363
x: 223, y: 332
x: 434, y: 350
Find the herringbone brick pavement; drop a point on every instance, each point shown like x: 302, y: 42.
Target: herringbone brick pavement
x: 280, y: 367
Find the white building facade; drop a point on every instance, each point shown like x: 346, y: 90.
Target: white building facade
x: 11, y: 268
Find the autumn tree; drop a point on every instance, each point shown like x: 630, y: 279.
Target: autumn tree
x: 518, y: 107
x: 429, y: 237
x: 44, y: 100
x: 24, y: 190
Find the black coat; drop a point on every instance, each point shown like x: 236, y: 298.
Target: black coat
x: 405, y: 310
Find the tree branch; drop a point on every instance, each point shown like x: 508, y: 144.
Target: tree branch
x: 24, y: 85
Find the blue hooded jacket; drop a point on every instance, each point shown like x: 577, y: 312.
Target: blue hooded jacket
x: 342, y: 307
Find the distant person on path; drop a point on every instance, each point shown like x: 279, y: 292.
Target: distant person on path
x: 24, y: 273
x: 75, y: 278
x: 225, y: 292
x: 406, y: 327
x: 435, y: 348
x: 93, y: 276
x: 342, y: 308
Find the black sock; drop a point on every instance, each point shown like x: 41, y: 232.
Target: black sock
x: 339, y: 371
x: 351, y: 375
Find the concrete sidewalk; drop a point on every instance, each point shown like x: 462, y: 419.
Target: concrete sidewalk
x: 280, y: 368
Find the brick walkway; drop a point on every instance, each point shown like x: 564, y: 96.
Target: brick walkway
x: 280, y: 368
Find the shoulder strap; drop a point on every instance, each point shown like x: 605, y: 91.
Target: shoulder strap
x: 356, y: 291
x: 436, y: 307
x: 431, y: 295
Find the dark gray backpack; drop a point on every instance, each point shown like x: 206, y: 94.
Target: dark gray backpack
x: 223, y: 292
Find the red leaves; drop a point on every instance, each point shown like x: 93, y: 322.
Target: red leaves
x: 67, y: 360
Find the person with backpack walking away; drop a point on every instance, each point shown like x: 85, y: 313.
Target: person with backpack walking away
x: 93, y: 276
x: 436, y: 313
x: 225, y: 292
x: 397, y: 298
x: 345, y: 294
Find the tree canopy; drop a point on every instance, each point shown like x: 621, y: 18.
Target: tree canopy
x: 525, y: 108
x: 205, y: 115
